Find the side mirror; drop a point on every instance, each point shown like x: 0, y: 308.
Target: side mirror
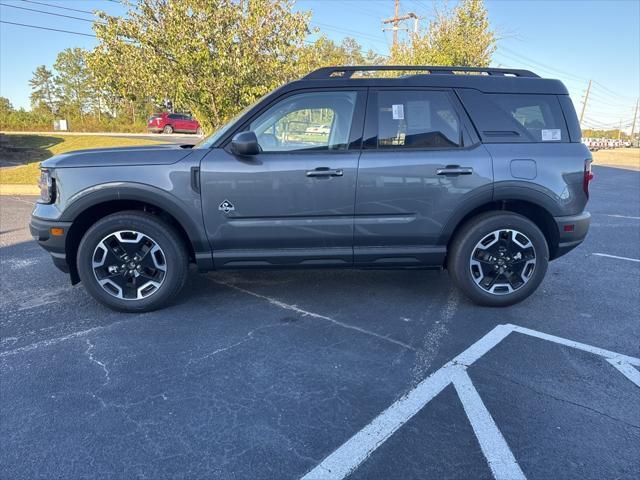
x: 245, y: 144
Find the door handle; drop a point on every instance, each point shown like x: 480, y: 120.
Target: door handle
x: 325, y: 172
x: 454, y: 170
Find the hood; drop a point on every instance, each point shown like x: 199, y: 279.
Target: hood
x: 120, y: 156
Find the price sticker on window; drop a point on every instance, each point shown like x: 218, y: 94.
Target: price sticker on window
x: 551, y: 135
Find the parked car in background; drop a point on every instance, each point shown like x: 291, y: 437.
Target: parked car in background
x: 323, y: 129
x: 173, y: 122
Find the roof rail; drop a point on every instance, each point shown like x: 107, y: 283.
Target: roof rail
x: 348, y: 71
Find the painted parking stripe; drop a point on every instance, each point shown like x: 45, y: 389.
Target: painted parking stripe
x: 616, y: 257
x: 358, y: 448
x: 351, y: 454
x: 626, y: 369
x: 621, y: 216
x: 494, y: 447
x: 608, y: 354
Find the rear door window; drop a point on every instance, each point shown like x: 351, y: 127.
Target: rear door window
x: 416, y: 119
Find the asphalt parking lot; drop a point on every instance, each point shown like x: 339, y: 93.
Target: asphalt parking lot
x: 329, y: 374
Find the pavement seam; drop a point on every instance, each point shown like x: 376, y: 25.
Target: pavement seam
x: 550, y: 395
x: 306, y: 313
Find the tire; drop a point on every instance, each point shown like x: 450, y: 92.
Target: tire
x: 167, y: 129
x: 476, y: 276
x: 126, y: 239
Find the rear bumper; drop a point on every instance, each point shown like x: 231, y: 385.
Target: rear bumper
x: 572, y: 230
x: 54, y: 244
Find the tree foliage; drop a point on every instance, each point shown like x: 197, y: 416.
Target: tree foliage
x: 75, y: 84
x: 462, y: 36
x: 209, y: 57
x: 43, y: 90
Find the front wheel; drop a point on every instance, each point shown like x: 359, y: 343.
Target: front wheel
x: 132, y: 261
x: 498, y: 258
x: 167, y: 129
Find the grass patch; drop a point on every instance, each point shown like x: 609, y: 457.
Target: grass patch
x: 20, y: 155
x: 620, y: 157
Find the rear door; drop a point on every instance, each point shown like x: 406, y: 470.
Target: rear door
x: 292, y: 204
x: 422, y: 165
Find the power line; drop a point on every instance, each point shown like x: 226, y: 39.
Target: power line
x: 48, y: 13
x: 348, y: 30
x: 615, y: 94
x: 47, y: 28
x: 58, y: 6
x: 545, y: 66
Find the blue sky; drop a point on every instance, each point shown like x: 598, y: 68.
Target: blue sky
x: 571, y: 40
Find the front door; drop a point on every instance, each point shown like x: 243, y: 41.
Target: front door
x: 293, y: 203
x: 421, y: 165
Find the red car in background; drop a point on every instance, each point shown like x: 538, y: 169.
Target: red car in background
x: 173, y: 122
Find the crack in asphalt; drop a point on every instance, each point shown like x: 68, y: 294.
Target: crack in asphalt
x: 93, y: 359
x: 306, y: 313
x: 554, y: 397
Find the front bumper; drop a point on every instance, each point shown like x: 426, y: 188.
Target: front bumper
x: 54, y: 244
x: 572, y: 230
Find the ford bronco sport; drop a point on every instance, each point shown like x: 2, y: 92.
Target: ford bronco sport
x: 477, y: 170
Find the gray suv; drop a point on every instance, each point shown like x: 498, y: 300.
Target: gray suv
x: 479, y: 171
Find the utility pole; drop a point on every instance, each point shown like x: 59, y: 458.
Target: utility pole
x: 635, y: 116
x: 584, y: 104
x: 397, y: 18
x: 620, y: 129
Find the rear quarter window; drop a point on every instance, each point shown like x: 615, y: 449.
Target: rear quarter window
x: 516, y: 118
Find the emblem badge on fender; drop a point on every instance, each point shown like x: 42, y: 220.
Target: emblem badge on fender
x: 226, y: 207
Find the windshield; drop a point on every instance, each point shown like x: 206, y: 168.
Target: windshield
x: 215, y: 136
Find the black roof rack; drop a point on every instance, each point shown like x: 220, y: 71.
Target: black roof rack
x: 347, y: 72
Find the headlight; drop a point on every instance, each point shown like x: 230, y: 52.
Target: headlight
x: 47, y: 187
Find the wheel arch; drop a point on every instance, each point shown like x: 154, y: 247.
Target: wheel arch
x: 87, y: 208
x: 533, y: 211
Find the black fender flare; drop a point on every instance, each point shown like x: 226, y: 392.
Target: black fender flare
x: 503, y: 191
x: 118, y: 191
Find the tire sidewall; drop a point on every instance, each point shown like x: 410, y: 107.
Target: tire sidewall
x: 476, y: 231
x: 161, y: 233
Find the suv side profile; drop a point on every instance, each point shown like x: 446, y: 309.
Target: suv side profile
x: 480, y: 171
x: 173, y: 122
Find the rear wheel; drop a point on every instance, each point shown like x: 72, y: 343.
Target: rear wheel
x: 498, y: 258
x: 132, y: 261
x: 167, y: 129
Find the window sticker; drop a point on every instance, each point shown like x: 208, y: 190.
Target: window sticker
x: 551, y: 135
x: 398, y: 111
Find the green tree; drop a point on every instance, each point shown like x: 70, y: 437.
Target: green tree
x: 462, y: 36
x: 75, y: 82
x: 5, y: 105
x: 211, y: 57
x: 43, y: 90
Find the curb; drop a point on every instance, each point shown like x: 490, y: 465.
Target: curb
x: 8, y: 189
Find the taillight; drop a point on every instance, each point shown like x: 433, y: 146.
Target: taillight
x: 588, y: 176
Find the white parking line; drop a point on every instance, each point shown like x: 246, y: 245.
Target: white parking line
x: 621, y: 216
x: 626, y: 369
x: 351, y: 454
x: 494, y: 447
x: 616, y: 257
x: 307, y: 313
